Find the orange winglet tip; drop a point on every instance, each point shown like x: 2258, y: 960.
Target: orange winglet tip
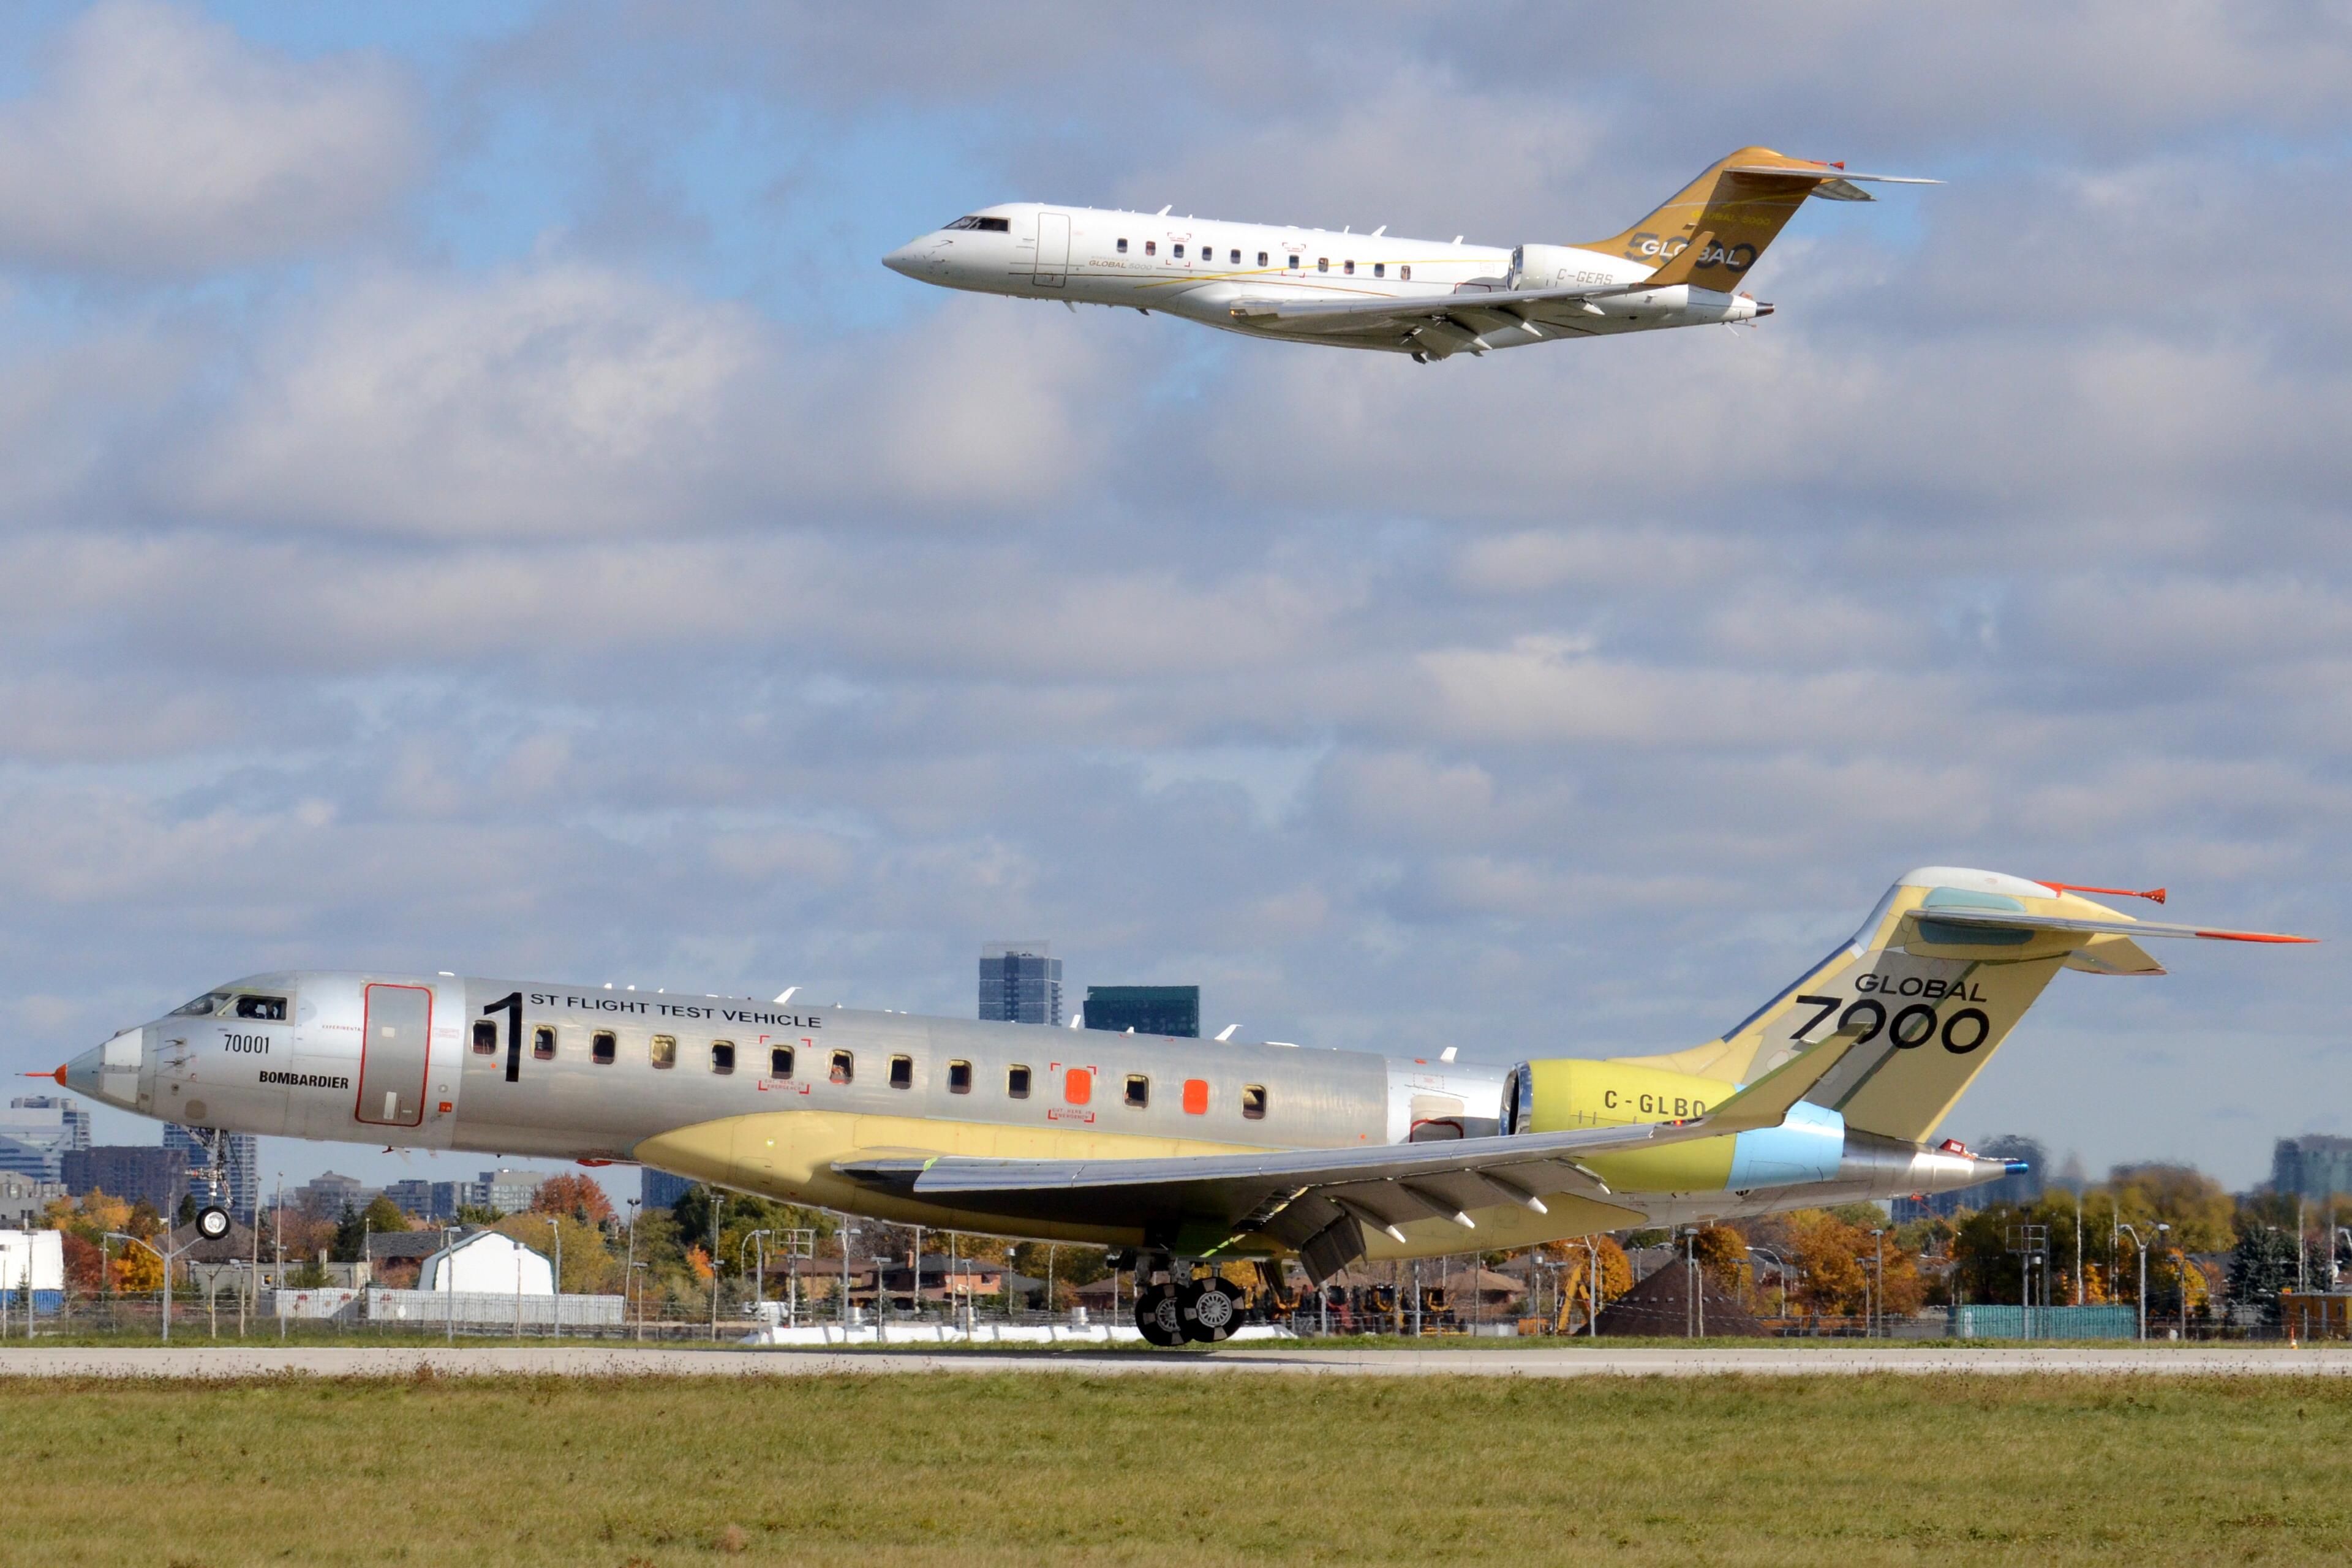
x: 2252, y: 936
x: 2153, y: 895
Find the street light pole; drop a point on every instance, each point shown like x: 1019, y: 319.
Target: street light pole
x: 448, y: 1284
x: 629, y: 1263
x: 166, y: 1258
x: 277, y: 1245
x: 2142, y: 1250
x: 2078, y: 1246
x: 555, y: 1223
x: 1878, y: 1241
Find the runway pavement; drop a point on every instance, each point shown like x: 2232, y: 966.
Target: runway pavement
x: 626, y: 1361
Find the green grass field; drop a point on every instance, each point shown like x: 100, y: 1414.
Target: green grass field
x: 1034, y: 1469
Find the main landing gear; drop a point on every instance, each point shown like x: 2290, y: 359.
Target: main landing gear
x: 212, y: 1222
x: 1172, y: 1309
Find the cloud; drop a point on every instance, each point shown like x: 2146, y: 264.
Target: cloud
x: 533, y: 599
x: 160, y: 143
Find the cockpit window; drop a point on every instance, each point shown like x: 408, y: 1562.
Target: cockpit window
x: 272, y: 1008
x: 985, y: 225
x: 203, y: 1006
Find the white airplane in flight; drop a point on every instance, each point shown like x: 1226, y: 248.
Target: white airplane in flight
x: 1679, y: 267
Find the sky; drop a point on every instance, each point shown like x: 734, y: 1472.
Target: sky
x: 471, y: 498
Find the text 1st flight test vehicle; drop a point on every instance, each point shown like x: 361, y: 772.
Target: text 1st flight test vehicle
x: 1181, y: 1152
x: 1680, y: 267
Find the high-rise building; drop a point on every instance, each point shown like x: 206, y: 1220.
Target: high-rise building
x: 662, y: 1189
x: 1173, y: 1010
x: 37, y: 1130
x: 1020, y: 982
x: 508, y: 1192
x: 2314, y: 1165
x: 421, y: 1199
x: 71, y: 1112
x: 33, y: 1162
x: 137, y: 1172
x: 240, y: 1188
x: 328, y: 1194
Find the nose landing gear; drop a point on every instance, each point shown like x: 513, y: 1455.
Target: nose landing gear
x: 212, y: 1222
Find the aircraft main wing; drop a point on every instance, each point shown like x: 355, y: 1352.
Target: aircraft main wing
x: 1321, y: 1200
x: 1473, y: 312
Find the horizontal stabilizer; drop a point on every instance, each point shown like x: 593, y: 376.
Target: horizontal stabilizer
x: 1831, y: 182
x: 2005, y: 921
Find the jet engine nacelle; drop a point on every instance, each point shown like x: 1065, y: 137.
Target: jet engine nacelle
x: 1555, y: 267
x: 1561, y: 1095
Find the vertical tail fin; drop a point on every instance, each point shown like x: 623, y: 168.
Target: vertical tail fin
x: 1730, y: 213
x: 1928, y: 990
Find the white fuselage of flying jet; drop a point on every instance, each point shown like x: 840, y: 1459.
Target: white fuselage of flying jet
x: 1208, y: 271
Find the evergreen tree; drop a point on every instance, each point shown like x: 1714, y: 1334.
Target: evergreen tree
x: 2261, y: 1266
x: 351, y: 1236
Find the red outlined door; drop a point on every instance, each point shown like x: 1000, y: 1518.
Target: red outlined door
x: 395, y: 1047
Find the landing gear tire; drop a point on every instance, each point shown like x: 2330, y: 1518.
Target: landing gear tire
x: 1212, y: 1311
x: 211, y: 1223
x: 1159, y: 1316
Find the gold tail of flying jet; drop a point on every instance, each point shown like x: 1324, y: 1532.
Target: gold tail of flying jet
x: 1711, y: 231
x: 1926, y: 991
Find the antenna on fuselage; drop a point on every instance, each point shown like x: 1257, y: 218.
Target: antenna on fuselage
x: 1163, y: 211
x: 1227, y: 1032
x: 785, y: 997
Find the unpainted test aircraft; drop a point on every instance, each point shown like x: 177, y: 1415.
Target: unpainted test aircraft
x: 1180, y: 1154
x: 1680, y: 267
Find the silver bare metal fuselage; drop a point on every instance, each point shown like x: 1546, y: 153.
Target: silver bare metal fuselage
x: 769, y: 1097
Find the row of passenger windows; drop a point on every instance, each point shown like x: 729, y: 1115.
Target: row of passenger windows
x: 1233, y: 257
x: 840, y: 1066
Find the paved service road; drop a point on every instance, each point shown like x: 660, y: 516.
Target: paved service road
x: 627, y: 1361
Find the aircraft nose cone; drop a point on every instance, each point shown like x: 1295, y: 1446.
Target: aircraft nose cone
x: 110, y: 1072
x: 80, y: 1074
x: 901, y: 260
